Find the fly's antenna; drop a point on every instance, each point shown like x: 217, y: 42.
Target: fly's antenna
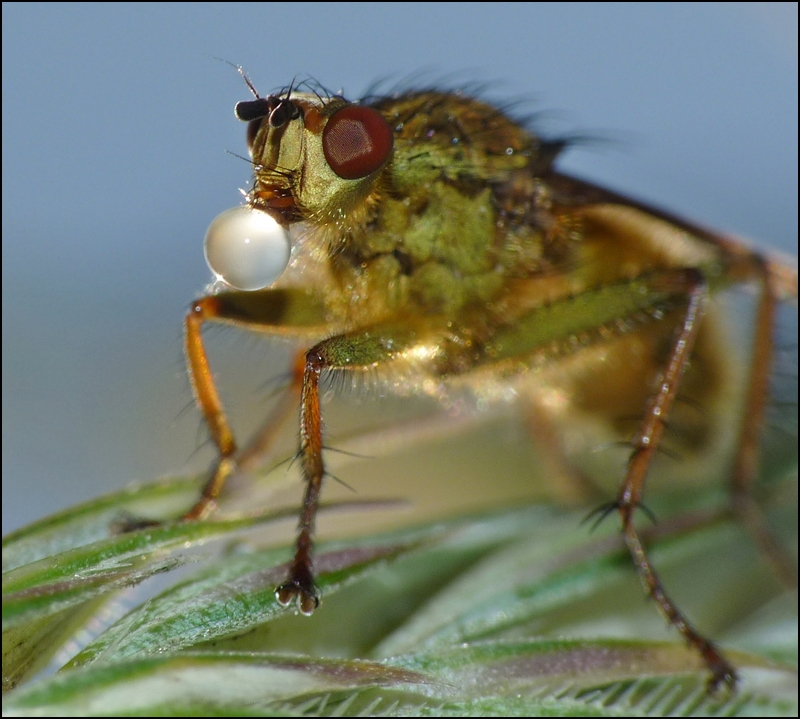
x: 241, y: 71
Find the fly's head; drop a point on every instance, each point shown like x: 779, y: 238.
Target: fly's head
x: 316, y: 159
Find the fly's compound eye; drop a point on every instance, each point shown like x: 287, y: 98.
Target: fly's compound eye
x: 246, y: 248
x: 357, y: 141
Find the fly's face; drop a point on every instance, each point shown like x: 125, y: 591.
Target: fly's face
x: 314, y: 159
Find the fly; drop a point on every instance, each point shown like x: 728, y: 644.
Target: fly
x: 435, y: 246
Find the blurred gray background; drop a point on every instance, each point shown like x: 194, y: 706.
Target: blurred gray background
x: 116, y: 120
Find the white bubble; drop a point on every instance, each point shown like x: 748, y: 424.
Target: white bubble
x: 246, y: 248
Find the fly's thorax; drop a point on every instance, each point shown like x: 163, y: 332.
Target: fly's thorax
x: 453, y: 250
x: 431, y: 256
x: 454, y: 247
x: 447, y: 136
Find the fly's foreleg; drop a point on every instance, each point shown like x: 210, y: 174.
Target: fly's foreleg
x: 290, y: 312
x: 205, y: 392
x: 207, y: 397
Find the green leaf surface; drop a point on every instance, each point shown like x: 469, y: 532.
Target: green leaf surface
x: 522, y: 612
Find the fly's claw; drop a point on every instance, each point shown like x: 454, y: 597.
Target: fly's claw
x: 299, y: 586
x: 722, y: 673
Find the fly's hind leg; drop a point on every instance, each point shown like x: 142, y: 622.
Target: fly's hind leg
x: 690, y: 284
x: 585, y: 315
x: 774, y: 288
x: 565, y: 483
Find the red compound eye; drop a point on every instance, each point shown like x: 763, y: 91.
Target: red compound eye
x: 356, y: 142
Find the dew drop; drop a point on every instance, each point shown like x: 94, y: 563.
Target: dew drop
x: 246, y: 248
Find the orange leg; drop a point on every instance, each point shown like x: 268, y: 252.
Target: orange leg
x: 205, y: 392
x: 344, y: 353
x: 300, y: 583
x: 645, y: 447
x: 208, y: 400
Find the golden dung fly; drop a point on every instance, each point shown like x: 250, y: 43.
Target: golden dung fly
x: 426, y: 240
